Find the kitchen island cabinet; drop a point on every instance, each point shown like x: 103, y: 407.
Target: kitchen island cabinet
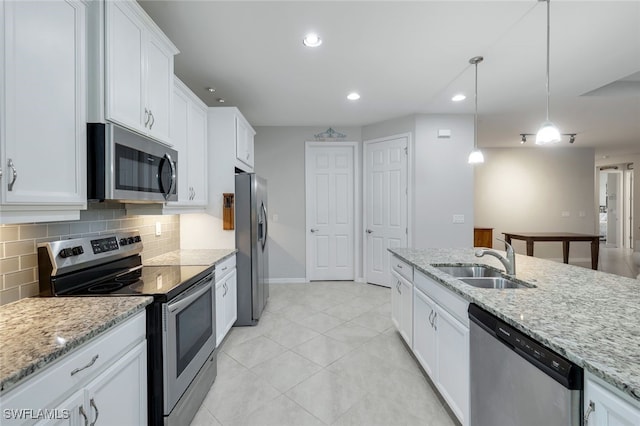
x: 588, y: 317
x: 42, y: 110
x: 74, y: 360
x: 606, y: 406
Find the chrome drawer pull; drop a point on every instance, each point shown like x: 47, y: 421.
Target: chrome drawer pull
x: 93, y: 361
x: 93, y: 404
x: 14, y: 174
x: 83, y: 414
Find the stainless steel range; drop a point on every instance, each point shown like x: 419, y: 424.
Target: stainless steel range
x: 180, y: 323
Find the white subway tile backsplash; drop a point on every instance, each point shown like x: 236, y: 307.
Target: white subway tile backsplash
x: 18, y: 257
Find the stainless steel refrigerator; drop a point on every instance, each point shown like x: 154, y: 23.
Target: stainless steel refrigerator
x: 252, y: 260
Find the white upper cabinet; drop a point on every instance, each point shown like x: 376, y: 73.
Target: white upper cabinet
x: 189, y: 135
x: 42, y: 110
x: 138, y: 64
x: 244, y: 143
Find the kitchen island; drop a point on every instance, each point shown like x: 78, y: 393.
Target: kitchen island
x: 590, y: 317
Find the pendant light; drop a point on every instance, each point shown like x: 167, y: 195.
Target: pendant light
x: 476, y: 155
x: 548, y: 132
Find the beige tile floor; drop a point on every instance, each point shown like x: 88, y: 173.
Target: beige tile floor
x: 323, y: 353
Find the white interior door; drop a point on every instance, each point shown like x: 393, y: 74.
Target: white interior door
x: 330, y: 211
x: 385, y: 205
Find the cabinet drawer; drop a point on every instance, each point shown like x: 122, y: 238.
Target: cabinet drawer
x: 58, y: 380
x: 223, y: 268
x: 448, y: 300
x: 402, y: 267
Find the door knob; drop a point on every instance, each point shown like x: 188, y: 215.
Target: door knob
x: 369, y: 231
x: 314, y: 230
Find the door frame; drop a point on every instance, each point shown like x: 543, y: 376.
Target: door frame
x: 365, y: 150
x: 357, y: 206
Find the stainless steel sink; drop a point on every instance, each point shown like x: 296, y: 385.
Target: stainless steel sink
x: 492, y: 282
x: 469, y: 271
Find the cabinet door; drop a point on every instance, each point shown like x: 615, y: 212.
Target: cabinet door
x: 43, y: 119
x: 220, y: 311
x: 159, y: 88
x: 118, y: 396
x: 396, y: 307
x: 608, y: 408
x: 179, y: 138
x: 197, y: 154
x: 244, y: 143
x: 453, y: 363
x: 424, y: 342
x: 124, y: 56
x: 71, y: 412
x: 230, y: 301
x: 406, y: 311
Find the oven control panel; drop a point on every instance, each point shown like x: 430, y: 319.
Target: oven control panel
x: 104, y: 245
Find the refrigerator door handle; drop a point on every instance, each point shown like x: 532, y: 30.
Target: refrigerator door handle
x: 266, y: 226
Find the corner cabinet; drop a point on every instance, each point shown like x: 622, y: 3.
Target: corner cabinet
x: 131, y: 69
x: 402, y: 299
x: 605, y: 405
x: 103, y: 382
x: 441, y: 341
x: 42, y: 110
x: 228, y: 126
x: 226, y: 297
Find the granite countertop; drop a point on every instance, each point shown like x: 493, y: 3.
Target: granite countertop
x: 36, y: 331
x: 184, y: 257
x: 590, y: 317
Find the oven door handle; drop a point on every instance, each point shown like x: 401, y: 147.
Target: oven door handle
x: 192, y: 294
x: 128, y: 271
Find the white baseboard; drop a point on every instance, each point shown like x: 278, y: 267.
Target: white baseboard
x: 285, y: 280
x: 360, y: 280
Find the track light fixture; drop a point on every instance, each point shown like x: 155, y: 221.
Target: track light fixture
x: 523, y: 137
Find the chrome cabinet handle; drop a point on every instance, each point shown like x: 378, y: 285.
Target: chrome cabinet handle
x: 83, y: 414
x: 435, y: 321
x: 399, y: 266
x: 93, y: 361
x: 146, y: 117
x: 314, y: 230
x: 93, y: 404
x: 430, y: 315
x: 153, y: 120
x: 14, y: 174
x: 369, y: 231
x: 590, y: 409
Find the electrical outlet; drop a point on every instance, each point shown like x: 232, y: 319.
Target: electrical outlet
x: 458, y: 218
x: 582, y: 213
x: 565, y: 214
x: 158, y: 229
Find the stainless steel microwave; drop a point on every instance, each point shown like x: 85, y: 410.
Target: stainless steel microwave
x: 126, y: 166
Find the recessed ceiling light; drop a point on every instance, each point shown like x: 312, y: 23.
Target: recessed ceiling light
x: 221, y: 100
x: 211, y: 89
x: 312, y: 40
x: 459, y: 97
x: 353, y: 96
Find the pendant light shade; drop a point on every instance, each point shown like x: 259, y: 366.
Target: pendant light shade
x: 476, y: 156
x: 548, y: 132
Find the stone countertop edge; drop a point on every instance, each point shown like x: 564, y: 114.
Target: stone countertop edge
x: 25, y: 362
x: 191, y: 257
x: 595, y: 359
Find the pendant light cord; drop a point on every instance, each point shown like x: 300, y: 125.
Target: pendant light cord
x: 475, y: 119
x: 548, y: 46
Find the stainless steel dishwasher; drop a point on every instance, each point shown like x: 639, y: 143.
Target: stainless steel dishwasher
x: 515, y: 381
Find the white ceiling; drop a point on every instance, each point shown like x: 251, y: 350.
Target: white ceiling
x: 411, y: 57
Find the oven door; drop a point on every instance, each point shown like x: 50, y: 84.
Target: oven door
x: 189, y: 337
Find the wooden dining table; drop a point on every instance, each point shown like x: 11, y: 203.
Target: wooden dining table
x: 564, y: 237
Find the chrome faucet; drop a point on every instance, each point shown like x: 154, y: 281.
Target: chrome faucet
x: 509, y: 262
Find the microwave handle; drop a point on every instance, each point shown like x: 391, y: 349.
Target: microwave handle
x: 192, y: 294
x: 173, y: 176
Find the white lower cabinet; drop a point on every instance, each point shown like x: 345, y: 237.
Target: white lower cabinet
x: 104, y: 383
x: 402, y: 306
x: 606, y: 406
x: 226, y: 297
x: 441, y: 341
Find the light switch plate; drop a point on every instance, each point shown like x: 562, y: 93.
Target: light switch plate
x: 458, y: 218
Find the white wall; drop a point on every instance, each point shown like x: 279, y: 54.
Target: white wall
x: 527, y: 189
x: 279, y: 158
